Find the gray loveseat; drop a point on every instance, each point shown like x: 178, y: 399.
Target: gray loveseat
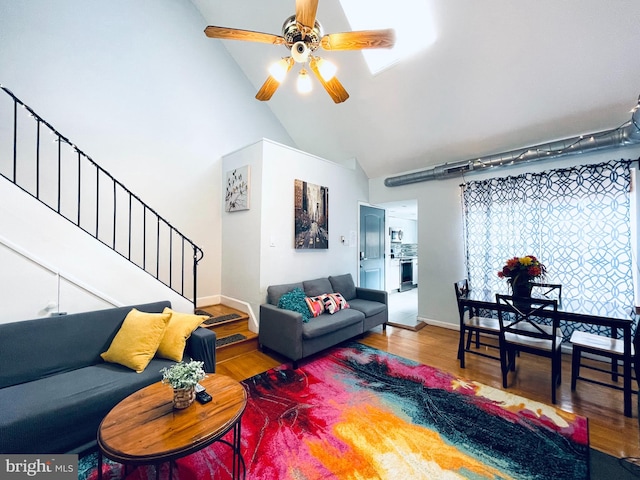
x: 55, y: 389
x: 285, y: 332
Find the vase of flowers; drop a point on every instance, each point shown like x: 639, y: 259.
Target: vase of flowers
x: 183, y: 377
x: 520, y: 271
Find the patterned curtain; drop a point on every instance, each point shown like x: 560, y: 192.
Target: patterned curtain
x: 576, y: 221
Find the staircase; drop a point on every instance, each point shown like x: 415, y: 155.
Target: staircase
x: 232, y: 330
x: 73, y: 185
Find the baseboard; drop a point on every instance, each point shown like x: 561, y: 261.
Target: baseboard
x: 206, y: 301
x: 439, y: 323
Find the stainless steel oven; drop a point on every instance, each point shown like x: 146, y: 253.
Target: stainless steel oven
x: 406, y: 274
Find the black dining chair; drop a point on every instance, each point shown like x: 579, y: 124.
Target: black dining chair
x: 552, y: 291
x: 599, y: 348
x: 474, y: 328
x: 522, y: 330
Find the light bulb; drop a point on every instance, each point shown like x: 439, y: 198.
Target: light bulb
x: 304, y: 82
x: 327, y: 69
x: 279, y: 69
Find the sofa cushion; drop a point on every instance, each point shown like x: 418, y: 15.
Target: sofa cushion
x: 316, y: 287
x: 136, y: 342
x: 295, y: 300
x: 178, y: 330
x: 326, y: 323
x: 274, y: 292
x: 344, y: 285
x: 47, y: 408
x: 367, y: 307
x: 62, y: 343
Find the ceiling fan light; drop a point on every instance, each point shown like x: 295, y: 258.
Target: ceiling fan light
x: 304, y: 82
x: 327, y: 69
x: 279, y: 69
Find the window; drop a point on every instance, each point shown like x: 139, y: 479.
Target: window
x: 411, y: 20
x: 577, y: 221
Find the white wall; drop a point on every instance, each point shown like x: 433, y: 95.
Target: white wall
x: 35, y: 279
x: 140, y: 89
x: 440, y: 233
x: 241, y: 232
x: 258, y: 244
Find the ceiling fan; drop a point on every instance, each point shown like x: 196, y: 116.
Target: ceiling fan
x: 302, y: 35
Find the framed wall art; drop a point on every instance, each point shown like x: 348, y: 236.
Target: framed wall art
x: 238, y: 186
x: 311, y: 212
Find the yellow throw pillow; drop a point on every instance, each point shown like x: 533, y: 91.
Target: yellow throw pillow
x: 136, y: 342
x: 178, y: 331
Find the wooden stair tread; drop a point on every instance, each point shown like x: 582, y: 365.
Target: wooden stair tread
x: 230, y: 323
x: 221, y: 314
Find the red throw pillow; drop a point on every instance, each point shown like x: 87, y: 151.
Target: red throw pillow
x: 316, y: 305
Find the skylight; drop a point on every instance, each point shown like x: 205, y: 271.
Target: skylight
x: 411, y: 19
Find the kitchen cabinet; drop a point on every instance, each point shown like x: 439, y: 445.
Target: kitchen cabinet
x: 415, y: 271
x: 393, y: 275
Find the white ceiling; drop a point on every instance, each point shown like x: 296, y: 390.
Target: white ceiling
x: 502, y: 75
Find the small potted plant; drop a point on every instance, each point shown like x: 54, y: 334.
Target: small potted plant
x: 183, y: 377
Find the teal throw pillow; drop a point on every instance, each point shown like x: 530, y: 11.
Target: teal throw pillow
x: 295, y: 301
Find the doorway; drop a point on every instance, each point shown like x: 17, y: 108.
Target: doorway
x: 402, y: 284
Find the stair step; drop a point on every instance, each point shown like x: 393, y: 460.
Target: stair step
x: 236, y: 337
x: 231, y: 326
x: 232, y: 350
x: 222, y: 318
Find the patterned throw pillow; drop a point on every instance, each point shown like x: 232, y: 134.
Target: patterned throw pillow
x: 295, y: 301
x: 340, y: 301
x: 316, y: 306
x: 333, y: 302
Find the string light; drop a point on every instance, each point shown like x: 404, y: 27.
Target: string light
x: 550, y: 151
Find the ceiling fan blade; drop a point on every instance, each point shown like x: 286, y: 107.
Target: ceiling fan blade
x: 270, y: 85
x: 306, y: 14
x: 247, y: 35
x: 359, y: 40
x: 333, y: 87
x: 268, y: 88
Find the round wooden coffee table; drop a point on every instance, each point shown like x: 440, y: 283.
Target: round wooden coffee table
x: 144, y: 428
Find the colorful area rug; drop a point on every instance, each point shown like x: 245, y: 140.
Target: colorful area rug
x: 360, y: 413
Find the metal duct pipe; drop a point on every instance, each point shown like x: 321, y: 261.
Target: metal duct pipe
x: 627, y: 134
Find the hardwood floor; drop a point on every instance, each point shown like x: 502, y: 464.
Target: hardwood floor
x: 609, y: 430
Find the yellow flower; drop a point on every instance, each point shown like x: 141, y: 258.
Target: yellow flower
x: 526, y: 261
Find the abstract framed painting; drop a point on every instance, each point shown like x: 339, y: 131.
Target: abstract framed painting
x: 311, y: 212
x: 238, y: 186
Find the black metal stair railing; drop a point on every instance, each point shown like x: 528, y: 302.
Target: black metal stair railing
x: 70, y: 183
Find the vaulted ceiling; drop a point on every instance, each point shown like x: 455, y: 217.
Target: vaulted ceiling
x: 501, y: 75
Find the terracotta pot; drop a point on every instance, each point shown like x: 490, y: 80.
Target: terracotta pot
x: 183, y: 397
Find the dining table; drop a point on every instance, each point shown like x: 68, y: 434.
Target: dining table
x: 584, y: 314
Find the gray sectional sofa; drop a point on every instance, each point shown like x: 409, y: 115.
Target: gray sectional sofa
x: 285, y: 332
x: 55, y: 389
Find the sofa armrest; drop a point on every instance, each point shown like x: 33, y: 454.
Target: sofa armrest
x: 201, y: 346
x: 281, y: 330
x: 372, y: 295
